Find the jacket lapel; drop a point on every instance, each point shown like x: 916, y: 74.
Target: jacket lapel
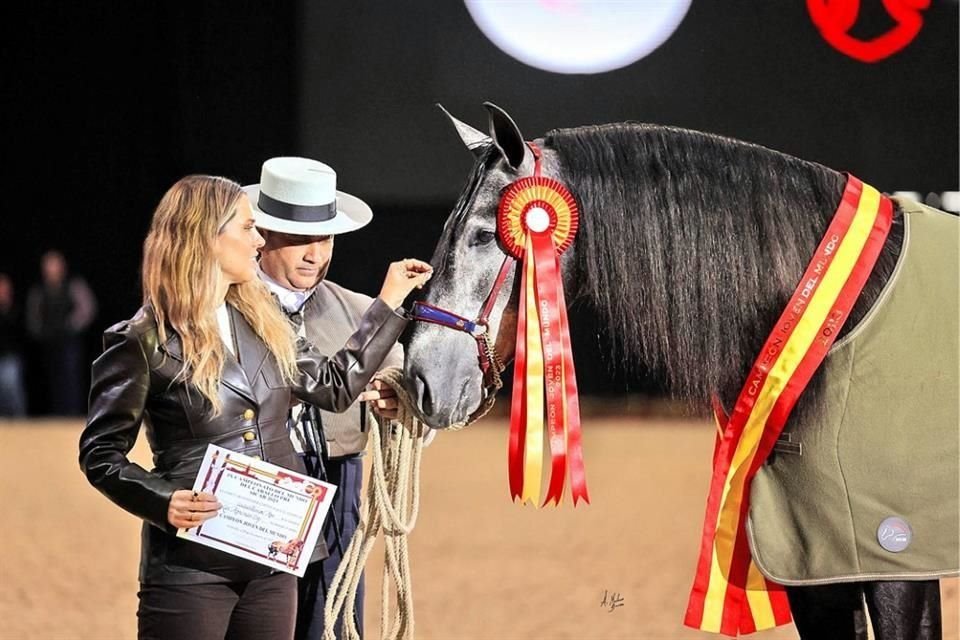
x: 251, y: 350
x: 232, y: 376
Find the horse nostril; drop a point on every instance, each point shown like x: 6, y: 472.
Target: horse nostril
x: 423, y: 393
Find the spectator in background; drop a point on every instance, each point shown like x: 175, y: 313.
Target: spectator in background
x: 59, y: 310
x: 12, y: 398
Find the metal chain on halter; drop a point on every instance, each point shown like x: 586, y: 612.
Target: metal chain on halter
x: 496, y: 368
x: 495, y: 384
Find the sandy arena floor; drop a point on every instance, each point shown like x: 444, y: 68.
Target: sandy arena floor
x: 483, y: 568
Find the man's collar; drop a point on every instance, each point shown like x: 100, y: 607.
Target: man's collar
x: 292, y: 300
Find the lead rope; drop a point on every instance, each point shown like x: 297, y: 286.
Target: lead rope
x: 391, y: 505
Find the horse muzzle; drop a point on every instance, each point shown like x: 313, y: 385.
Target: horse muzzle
x: 443, y: 379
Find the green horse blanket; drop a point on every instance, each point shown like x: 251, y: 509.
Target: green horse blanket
x: 872, y: 488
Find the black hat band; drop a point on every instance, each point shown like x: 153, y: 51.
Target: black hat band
x: 296, y: 212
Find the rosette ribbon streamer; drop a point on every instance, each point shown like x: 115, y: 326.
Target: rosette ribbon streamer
x: 536, y: 222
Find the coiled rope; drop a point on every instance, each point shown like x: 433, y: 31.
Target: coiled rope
x: 391, y: 506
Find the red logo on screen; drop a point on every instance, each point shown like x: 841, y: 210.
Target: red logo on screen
x: 834, y: 18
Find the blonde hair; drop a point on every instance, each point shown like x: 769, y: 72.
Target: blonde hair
x: 181, y: 278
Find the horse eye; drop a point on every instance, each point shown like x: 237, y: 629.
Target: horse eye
x: 482, y: 237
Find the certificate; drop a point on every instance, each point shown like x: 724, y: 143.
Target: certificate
x: 269, y: 514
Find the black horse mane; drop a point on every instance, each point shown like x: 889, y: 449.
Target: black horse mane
x: 690, y: 245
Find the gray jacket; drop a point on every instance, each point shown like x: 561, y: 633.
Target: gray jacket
x: 331, y: 315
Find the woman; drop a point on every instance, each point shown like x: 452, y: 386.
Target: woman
x: 209, y: 358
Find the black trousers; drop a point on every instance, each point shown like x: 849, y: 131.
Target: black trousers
x: 260, y: 609
x: 338, y: 530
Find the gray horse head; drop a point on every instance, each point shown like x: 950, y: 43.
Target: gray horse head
x: 442, y: 370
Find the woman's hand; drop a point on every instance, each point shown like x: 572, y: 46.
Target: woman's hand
x: 402, y: 278
x: 188, y: 508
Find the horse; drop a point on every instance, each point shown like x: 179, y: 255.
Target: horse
x: 689, y: 246
x: 290, y: 548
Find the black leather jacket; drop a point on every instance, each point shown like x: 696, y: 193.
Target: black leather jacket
x: 135, y: 381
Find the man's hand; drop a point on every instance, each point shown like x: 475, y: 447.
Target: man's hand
x: 384, y: 402
x: 382, y: 398
x: 403, y: 277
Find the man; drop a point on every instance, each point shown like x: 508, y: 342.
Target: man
x: 59, y: 310
x: 298, y: 212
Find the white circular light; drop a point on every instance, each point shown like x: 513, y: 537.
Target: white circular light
x: 578, y: 36
x: 537, y: 219
x: 950, y: 201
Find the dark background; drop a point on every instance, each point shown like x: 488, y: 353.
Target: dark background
x: 110, y: 103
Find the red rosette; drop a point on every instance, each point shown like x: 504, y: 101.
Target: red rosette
x: 536, y: 193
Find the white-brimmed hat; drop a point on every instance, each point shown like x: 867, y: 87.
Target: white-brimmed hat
x: 299, y: 196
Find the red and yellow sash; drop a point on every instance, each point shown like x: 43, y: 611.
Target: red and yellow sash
x: 729, y: 594
x: 537, y: 221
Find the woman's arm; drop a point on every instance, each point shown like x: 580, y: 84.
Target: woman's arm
x: 120, y: 383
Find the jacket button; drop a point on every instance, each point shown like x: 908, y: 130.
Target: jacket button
x: 249, y: 435
x: 248, y: 414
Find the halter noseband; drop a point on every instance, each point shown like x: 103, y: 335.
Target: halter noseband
x: 490, y: 363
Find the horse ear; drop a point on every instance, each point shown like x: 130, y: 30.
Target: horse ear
x: 506, y: 135
x: 474, y: 140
